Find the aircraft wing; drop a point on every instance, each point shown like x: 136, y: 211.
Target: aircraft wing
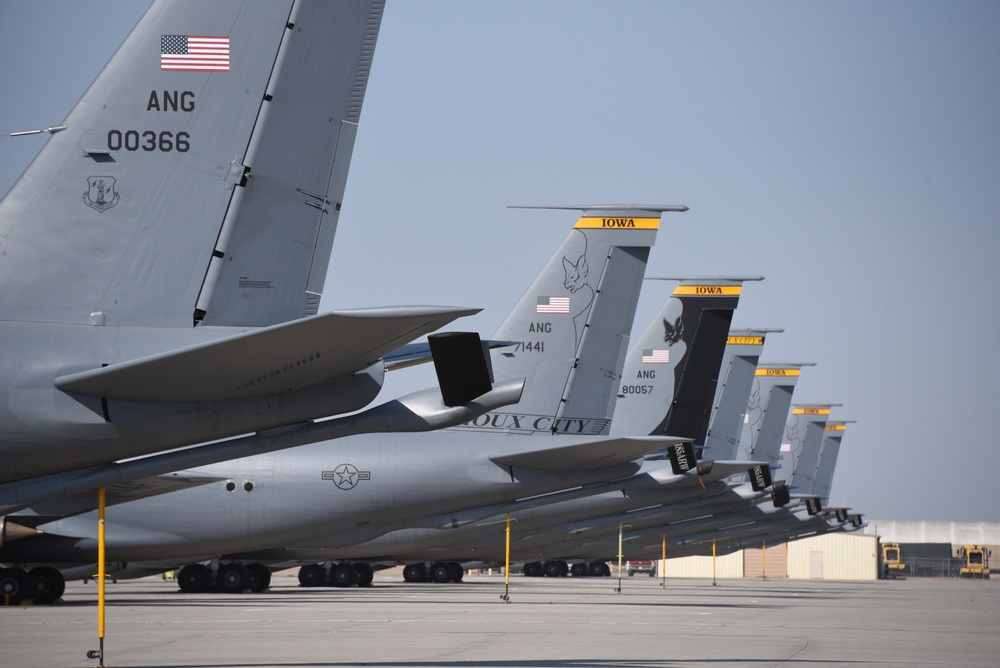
x: 265, y: 361
x: 589, y: 454
x: 74, y: 504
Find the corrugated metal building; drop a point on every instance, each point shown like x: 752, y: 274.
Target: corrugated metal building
x: 835, y: 556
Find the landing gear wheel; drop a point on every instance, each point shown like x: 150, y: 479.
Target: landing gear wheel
x: 552, y: 569
x: 365, y: 574
x: 440, y: 572
x: 578, y: 570
x: 47, y: 584
x: 414, y: 573
x: 312, y: 576
x: 533, y: 569
x: 343, y: 575
x: 15, y: 585
x: 457, y: 572
x: 260, y: 577
x: 194, y: 579
x: 595, y: 569
x: 233, y: 578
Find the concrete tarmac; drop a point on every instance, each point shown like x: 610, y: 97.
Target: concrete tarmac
x: 548, y: 623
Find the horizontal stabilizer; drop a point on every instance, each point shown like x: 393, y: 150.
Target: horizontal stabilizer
x: 262, y: 362
x: 726, y: 468
x: 419, y: 352
x: 588, y: 454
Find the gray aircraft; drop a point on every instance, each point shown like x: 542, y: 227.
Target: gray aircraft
x: 799, y: 519
x: 162, y: 259
x: 367, y: 485
x: 684, y: 338
x: 578, y: 531
x: 789, y: 516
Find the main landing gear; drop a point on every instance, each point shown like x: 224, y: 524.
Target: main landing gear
x: 558, y: 568
x: 42, y: 585
x: 230, y: 578
x: 331, y: 574
x: 438, y: 571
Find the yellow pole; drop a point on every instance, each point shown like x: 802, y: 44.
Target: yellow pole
x: 506, y: 567
x: 101, y: 571
x: 763, y: 559
x: 713, y: 561
x: 663, y: 560
x: 620, y: 527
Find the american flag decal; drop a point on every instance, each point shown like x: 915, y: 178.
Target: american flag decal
x: 552, y: 305
x: 193, y: 53
x: 655, y: 356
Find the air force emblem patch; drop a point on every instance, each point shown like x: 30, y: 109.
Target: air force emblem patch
x: 100, y: 194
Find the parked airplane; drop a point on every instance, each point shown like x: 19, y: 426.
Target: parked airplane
x: 798, y: 519
x: 161, y: 260
x: 800, y: 449
x: 684, y: 330
x: 366, y: 485
x: 581, y: 530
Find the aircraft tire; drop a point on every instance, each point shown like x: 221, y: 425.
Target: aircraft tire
x: 457, y: 572
x: 440, y: 572
x: 47, y: 585
x: 312, y: 576
x: 15, y: 585
x: 414, y: 573
x: 260, y: 577
x: 533, y: 569
x: 595, y: 569
x: 194, y: 579
x: 551, y: 569
x: 578, y: 570
x: 233, y: 578
x: 343, y: 575
x: 365, y: 574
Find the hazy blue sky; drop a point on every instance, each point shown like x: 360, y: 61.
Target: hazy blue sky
x: 848, y: 151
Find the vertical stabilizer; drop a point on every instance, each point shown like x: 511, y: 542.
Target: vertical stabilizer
x: 671, y: 373
x: 572, y: 325
x: 739, y: 364
x: 197, y: 119
x: 767, y: 412
x: 803, y: 440
x: 833, y: 434
x: 114, y: 221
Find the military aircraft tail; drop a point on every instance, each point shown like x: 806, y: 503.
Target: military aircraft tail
x: 803, y: 441
x: 572, y: 325
x: 739, y: 364
x: 833, y: 434
x: 200, y: 177
x: 670, y: 374
x: 767, y: 411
